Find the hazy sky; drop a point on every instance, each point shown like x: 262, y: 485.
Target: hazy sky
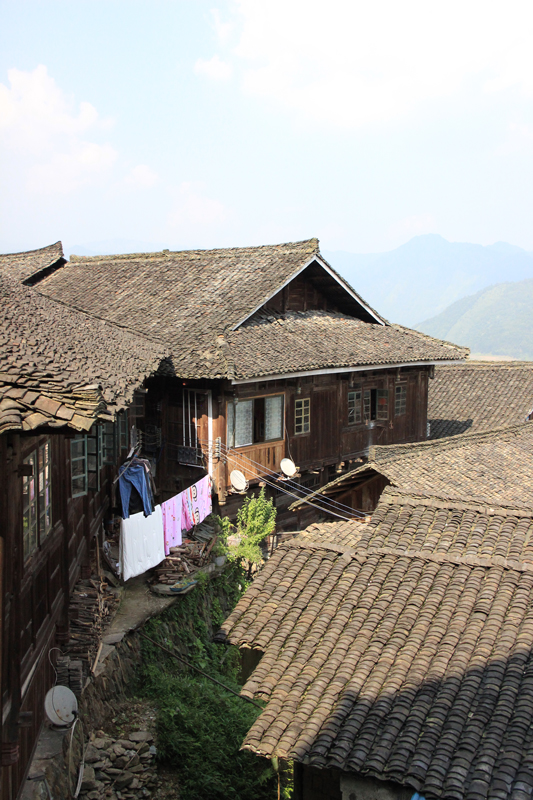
x: 203, y: 124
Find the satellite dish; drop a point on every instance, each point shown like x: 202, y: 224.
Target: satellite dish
x: 61, y: 706
x: 238, y: 480
x: 287, y: 467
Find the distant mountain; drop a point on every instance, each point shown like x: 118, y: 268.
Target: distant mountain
x: 424, y: 276
x: 496, y: 321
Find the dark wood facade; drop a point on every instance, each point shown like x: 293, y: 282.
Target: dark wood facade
x: 38, y: 576
x: 190, y: 422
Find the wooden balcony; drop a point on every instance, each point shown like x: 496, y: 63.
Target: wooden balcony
x: 256, y: 460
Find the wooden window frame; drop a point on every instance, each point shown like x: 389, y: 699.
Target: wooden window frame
x: 232, y: 415
x: 400, y: 399
x: 37, y: 514
x: 82, y: 459
x: 354, y: 405
x: 302, y: 418
x: 371, y: 405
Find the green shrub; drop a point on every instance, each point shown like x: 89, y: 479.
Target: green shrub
x: 200, y: 725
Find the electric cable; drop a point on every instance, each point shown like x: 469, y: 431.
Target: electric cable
x: 327, y: 503
x: 302, y: 499
x: 298, y: 487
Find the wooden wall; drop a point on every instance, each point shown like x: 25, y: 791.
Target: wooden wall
x: 35, y: 592
x: 332, y: 445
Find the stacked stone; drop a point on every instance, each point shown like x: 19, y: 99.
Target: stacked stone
x: 119, y: 769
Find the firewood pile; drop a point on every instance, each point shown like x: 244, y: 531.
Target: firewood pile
x: 91, y: 605
x: 184, y: 560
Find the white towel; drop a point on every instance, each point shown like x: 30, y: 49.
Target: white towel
x: 142, y: 543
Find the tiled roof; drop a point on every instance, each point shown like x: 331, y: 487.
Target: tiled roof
x: 186, y: 299
x: 23, y: 266
x: 403, y: 653
x: 61, y: 367
x: 193, y: 301
x: 487, y: 467
x: 479, y: 396
x: 303, y: 341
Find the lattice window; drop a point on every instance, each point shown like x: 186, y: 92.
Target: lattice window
x: 400, y: 399
x: 36, y: 498
x: 354, y: 406
x: 302, y: 415
x: 78, y: 466
x: 375, y: 404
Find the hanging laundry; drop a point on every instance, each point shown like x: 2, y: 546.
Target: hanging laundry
x: 196, y: 503
x: 172, y: 511
x: 141, y: 543
x: 136, y: 475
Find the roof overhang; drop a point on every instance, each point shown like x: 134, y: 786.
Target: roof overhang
x: 332, y: 370
x: 325, y: 266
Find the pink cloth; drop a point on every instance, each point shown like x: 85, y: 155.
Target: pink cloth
x: 196, y: 503
x: 172, y: 515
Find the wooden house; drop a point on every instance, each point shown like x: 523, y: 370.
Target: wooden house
x: 273, y: 356
x: 66, y: 380
x: 396, y: 657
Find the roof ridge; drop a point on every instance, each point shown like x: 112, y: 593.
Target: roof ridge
x: 313, y: 244
x: 38, y: 250
x: 361, y: 553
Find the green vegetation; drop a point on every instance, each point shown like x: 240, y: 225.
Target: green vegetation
x: 200, y: 725
x: 496, y: 321
x: 256, y: 519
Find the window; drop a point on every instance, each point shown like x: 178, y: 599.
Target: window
x: 354, y: 406
x: 78, y: 466
x: 87, y: 456
x: 113, y: 439
x: 256, y: 420
x: 36, y: 499
x: 302, y: 416
x: 375, y: 404
x: 400, y: 399
x: 109, y: 443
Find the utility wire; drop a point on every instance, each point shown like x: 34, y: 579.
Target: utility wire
x: 298, y: 487
x: 192, y: 666
x: 327, y: 503
x: 307, y: 502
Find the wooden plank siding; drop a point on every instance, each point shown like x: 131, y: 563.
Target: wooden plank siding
x: 331, y: 439
x: 35, y: 591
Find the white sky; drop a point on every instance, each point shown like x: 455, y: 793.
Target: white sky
x: 246, y: 122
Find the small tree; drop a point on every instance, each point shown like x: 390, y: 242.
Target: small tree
x: 256, y: 519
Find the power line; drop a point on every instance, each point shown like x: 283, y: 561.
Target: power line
x: 327, y: 504
x: 305, y: 492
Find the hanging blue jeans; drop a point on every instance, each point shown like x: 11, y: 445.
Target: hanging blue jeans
x: 135, y: 475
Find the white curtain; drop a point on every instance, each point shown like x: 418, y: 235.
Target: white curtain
x: 230, y: 437
x: 244, y: 424
x: 273, y: 417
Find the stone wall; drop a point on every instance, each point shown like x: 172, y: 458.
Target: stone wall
x: 56, y: 762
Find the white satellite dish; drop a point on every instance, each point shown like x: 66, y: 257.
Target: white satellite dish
x: 238, y: 480
x: 288, y: 467
x: 61, y: 706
